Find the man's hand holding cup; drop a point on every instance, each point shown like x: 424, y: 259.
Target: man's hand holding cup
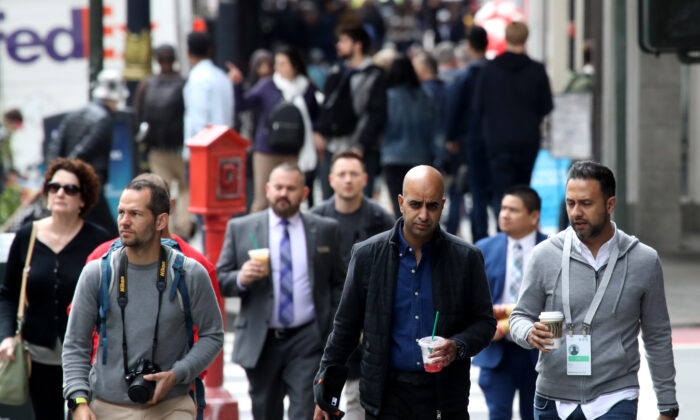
x: 257, y: 267
x: 540, y: 336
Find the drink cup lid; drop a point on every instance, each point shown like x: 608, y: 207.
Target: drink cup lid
x: 551, y: 316
x: 427, y: 342
x: 259, y: 252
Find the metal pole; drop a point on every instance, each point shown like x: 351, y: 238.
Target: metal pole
x: 621, y: 113
x: 96, y: 53
x: 225, y: 36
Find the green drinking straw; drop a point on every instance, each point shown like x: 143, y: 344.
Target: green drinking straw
x: 430, y: 349
x: 255, y: 243
x: 435, y: 325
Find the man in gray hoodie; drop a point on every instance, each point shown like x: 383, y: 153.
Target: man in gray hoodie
x: 608, y: 285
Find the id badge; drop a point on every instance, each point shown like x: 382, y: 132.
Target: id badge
x: 578, y: 355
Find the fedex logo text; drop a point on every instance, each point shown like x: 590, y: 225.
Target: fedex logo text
x: 25, y: 44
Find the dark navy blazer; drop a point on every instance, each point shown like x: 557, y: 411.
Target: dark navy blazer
x: 495, y: 250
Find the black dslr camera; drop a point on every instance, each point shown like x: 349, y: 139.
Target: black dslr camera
x: 141, y: 390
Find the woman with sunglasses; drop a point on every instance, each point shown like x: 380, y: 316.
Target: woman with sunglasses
x: 63, y: 241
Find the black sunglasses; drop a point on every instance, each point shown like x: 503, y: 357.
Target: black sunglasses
x: 69, y: 189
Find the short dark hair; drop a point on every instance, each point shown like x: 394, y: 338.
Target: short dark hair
x: 347, y: 154
x: 160, y: 200
x: 358, y: 34
x: 531, y: 199
x: 478, y: 39
x: 287, y: 167
x: 90, y: 187
x: 14, y: 114
x: 165, y: 52
x: 154, y: 178
x: 295, y: 59
x: 402, y: 72
x: 587, y: 169
x: 199, y: 44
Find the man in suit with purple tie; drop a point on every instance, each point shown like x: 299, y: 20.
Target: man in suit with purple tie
x: 287, y: 307
x: 505, y: 366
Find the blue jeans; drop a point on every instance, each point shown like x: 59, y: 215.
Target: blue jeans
x: 546, y: 409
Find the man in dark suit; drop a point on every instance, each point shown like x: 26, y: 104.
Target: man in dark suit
x: 285, y: 315
x: 505, y: 366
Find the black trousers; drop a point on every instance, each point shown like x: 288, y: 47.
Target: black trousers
x: 46, y: 391
x: 286, y: 366
x: 507, y: 170
x: 393, y: 176
x: 415, y: 397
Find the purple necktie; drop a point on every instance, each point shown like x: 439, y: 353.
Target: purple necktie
x: 286, y: 303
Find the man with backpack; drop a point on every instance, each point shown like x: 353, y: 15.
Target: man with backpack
x: 159, y: 104
x: 150, y: 295
x: 354, y: 108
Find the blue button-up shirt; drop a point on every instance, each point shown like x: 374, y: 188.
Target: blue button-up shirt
x: 413, y: 314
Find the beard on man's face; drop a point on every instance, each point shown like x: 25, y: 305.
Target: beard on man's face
x: 284, y: 208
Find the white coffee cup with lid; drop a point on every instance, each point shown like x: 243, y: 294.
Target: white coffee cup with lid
x: 554, y: 320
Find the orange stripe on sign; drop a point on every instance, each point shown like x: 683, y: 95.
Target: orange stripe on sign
x: 85, y: 20
x: 107, y: 11
x: 109, y: 53
x: 107, y: 30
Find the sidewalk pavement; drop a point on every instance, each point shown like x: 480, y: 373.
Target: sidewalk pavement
x: 682, y: 281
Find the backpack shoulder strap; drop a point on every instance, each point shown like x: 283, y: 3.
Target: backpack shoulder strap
x: 103, y: 296
x: 180, y: 286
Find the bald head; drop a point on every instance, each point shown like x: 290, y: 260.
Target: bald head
x: 424, y: 176
x: 421, y: 204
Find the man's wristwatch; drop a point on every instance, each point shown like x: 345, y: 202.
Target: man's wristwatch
x: 73, y: 403
x: 672, y: 413
x: 461, y: 350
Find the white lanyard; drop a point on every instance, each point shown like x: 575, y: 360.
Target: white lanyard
x: 597, y: 298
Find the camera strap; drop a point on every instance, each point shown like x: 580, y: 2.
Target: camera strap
x: 123, y: 299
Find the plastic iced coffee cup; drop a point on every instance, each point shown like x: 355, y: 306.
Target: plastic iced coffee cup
x: 554, y: 322
x: 426, y: 346
x: 261, y: 255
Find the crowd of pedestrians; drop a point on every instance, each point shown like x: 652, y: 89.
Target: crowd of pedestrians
x: 338, y: 297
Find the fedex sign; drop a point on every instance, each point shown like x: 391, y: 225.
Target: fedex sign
x: 26, y: 44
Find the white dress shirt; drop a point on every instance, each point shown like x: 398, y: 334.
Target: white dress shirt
x: 303, y: 296
x: 527, y: 243
x: 208, y: 96
x: 601, y: 405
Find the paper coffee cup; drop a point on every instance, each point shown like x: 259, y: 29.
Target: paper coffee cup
x: 554, y: 321
x: 426, y: 346
x: 261, y: 255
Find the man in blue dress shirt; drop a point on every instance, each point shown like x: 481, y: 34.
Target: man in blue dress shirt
x: 396, y: 283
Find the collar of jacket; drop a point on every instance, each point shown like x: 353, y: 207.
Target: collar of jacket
x: 394, y: 239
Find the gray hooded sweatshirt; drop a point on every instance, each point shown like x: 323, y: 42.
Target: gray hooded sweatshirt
x: 634, y: 300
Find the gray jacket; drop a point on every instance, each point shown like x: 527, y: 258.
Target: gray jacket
x: 326, y: 276
x: 634, y: 300
x: 106, y: 381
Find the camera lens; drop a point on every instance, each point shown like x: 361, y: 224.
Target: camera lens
x: 141, y: 390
